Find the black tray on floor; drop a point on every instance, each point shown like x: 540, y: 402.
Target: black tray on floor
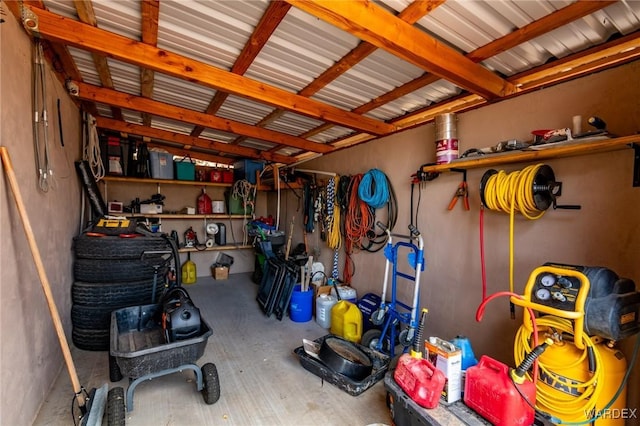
x: 379, y: 360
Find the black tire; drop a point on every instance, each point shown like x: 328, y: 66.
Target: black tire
x: 115, y: 375
x: 211, y: 384
x: 370, y: 338
x: 115, y: 293
x: 116, y: 411
x: 114, y: 247
x: 90, y: 340
x: 92, y: 317
x: 118, y: 270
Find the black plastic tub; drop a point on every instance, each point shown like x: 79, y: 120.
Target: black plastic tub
x: 139, y: 346
x: 380, y: 363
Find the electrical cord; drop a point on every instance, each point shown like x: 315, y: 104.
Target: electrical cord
x: 40, y: 119
x: 373, y: 188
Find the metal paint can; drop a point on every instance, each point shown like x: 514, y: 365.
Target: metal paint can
x: 446, y: 138
x: 217, y: 206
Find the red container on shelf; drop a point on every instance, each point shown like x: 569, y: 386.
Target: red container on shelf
x: 227, y: 176
x: 420, y: 379
x: 490, y: 392
x: 215, y: 175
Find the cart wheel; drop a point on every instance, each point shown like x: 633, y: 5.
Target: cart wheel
x: 404, y: 338
x: 115, y: 407
x: 211, y: 383
x: 377, y: 318
x: 371, y: 338
x: 115, y: 375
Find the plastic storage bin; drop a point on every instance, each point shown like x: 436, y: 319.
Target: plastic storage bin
x: 161, y: 165
x: 185, y: 169
x: 246, y: 169
x: 405, y: 411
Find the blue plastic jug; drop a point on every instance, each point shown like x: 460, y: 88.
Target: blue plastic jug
x: 468, y: 358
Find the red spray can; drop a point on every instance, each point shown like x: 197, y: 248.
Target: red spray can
x: 418, y: 377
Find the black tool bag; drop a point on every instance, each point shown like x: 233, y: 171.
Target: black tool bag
x: 180, y: 317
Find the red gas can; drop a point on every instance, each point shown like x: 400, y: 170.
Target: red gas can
x: 420, y: 379
x: 490, y: 392
x: 204, y: 203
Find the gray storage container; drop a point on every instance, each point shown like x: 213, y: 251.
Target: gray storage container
x: 161, y: 165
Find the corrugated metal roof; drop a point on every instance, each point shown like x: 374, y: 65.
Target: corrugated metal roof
x: 302, y: 47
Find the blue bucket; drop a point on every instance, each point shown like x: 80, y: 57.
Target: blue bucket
x: 301, y: 304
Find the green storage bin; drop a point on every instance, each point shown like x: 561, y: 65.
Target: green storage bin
x: 185, y: 169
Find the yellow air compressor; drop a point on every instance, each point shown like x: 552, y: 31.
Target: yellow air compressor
x: 584, y: 310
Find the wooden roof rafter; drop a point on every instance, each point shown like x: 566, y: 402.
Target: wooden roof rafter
x: 270, y: 20
x: 528, y: 32
x: 150, y: 11
x: 410, y: 14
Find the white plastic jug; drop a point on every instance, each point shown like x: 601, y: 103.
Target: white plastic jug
x: 324, y: 304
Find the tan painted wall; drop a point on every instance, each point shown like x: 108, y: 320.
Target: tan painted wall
x: 180, y: 196
x: 30, y: 356
x: 606, y: 232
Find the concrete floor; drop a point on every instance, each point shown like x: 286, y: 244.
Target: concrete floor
x: 262, y: 381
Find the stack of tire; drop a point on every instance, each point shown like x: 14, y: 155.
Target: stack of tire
x: 110, y: 273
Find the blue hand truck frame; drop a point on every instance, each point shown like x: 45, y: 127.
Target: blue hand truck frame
x: 393, y: 314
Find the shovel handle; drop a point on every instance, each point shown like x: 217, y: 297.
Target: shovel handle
x: 46, y: 287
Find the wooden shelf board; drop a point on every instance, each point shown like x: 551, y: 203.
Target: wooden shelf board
x: 214, y: 248
x: 571, y: 149
x: 189, y: 216
x: 163, y: 181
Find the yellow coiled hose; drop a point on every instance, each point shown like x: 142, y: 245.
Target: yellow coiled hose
x: 511, y: 193
x: 558, y: 403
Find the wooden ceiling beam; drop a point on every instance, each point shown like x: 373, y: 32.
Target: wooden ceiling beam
x: 372, y: 23
x: 150, y: 11
x: 63, y: 64
x: 545, y: 24
x: 84, y: 9
x: 196, y: 155
x: 188, y: 142
x: 611, y: 54
x: 275, y: 13
x: 616, y: 52
x: 537, y: 28
x: 63, y: 30
x: 411, y: 14
x: 137, y: 103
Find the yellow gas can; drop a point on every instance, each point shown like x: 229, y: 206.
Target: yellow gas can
x: 189, y: 275
x: 346, y: 321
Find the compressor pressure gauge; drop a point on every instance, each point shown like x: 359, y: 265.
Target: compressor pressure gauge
x: 548, y: 280
x: 543, y: 294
